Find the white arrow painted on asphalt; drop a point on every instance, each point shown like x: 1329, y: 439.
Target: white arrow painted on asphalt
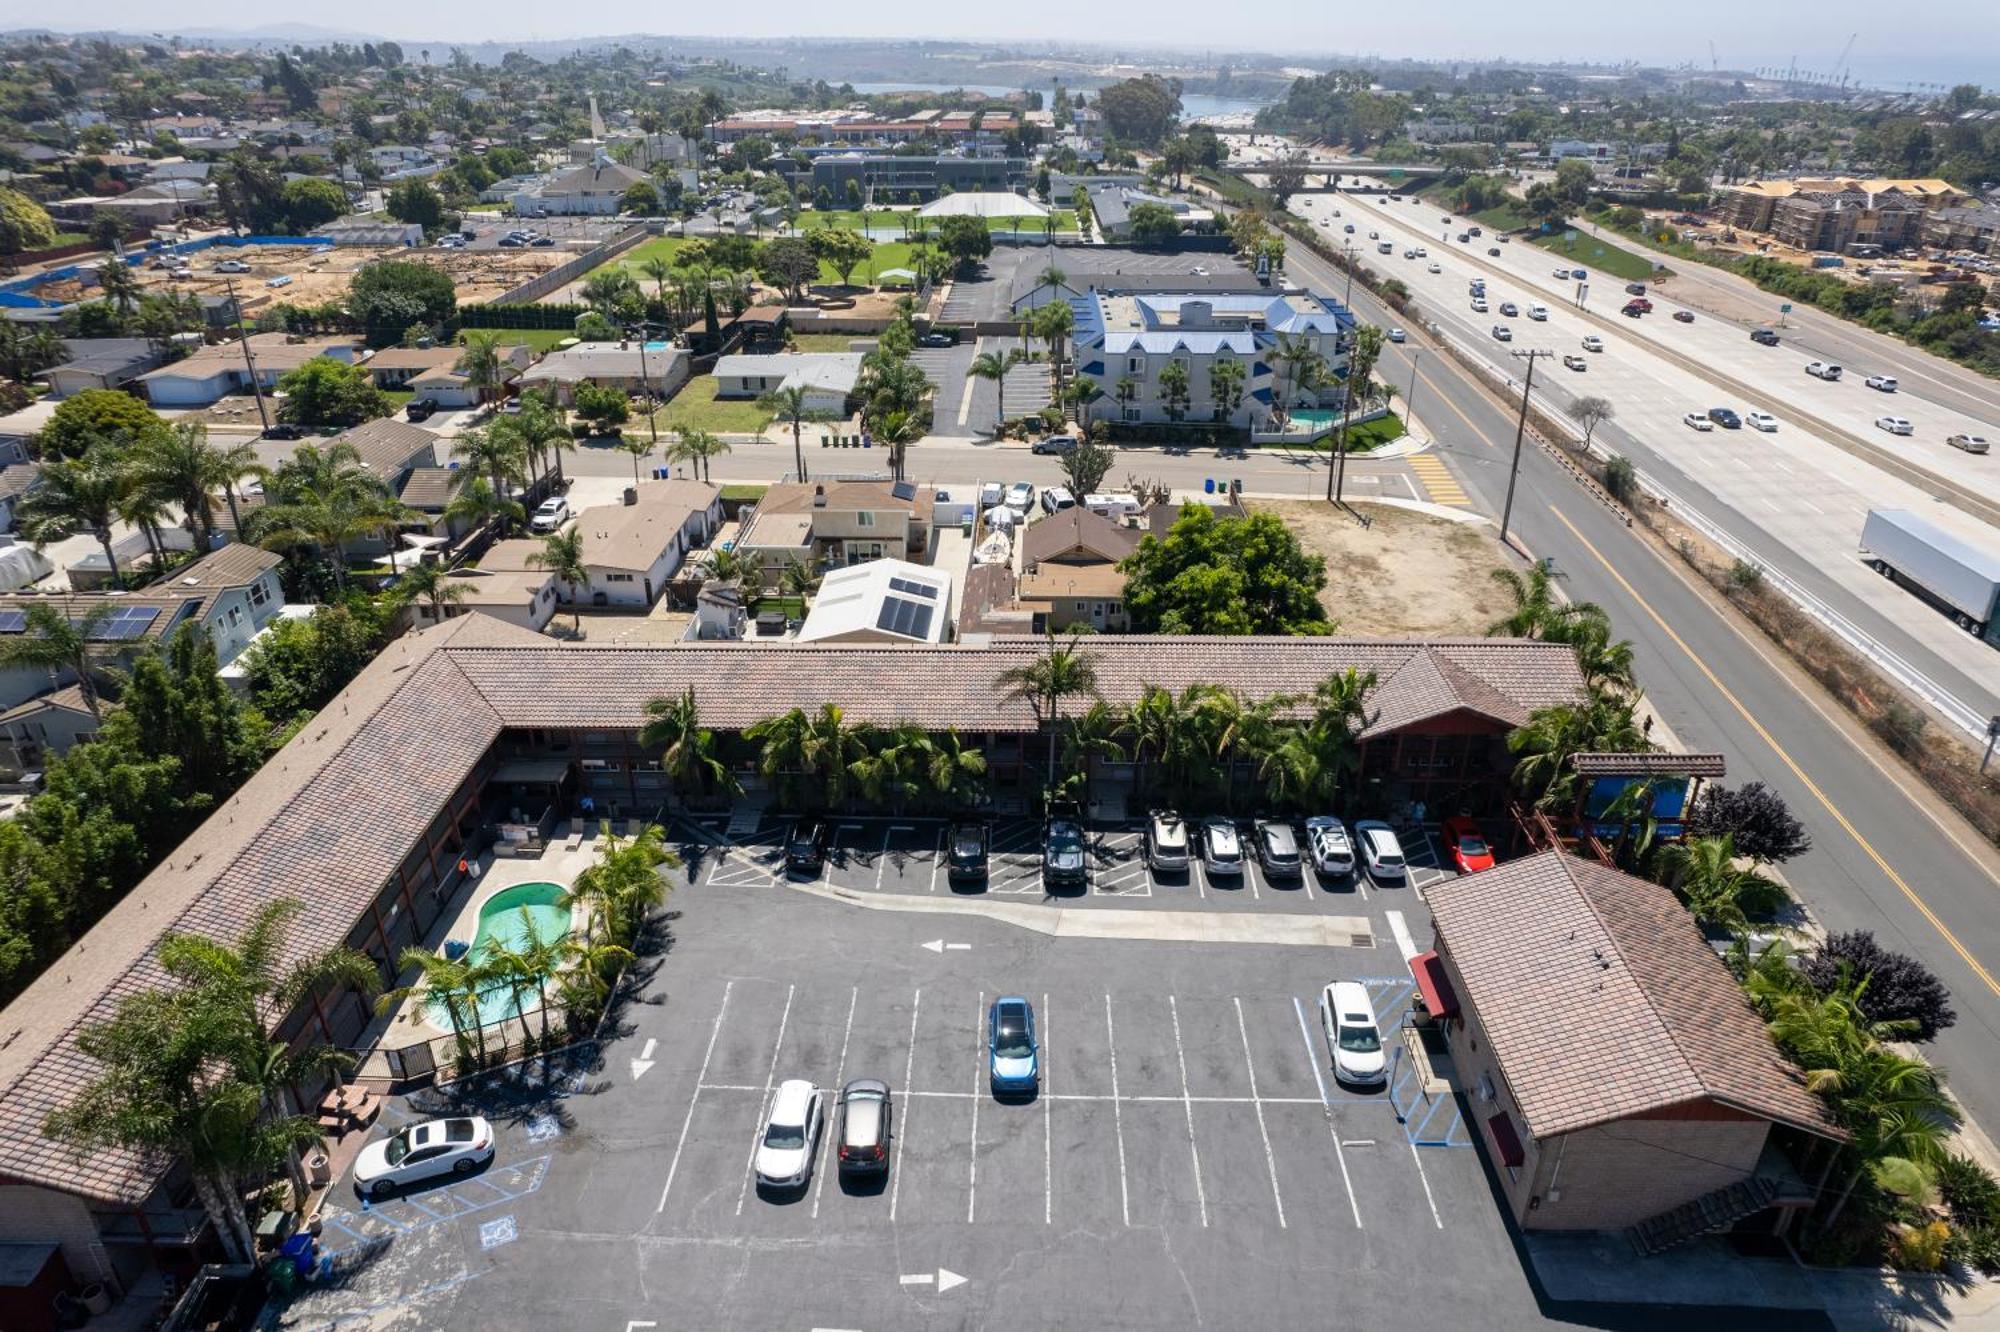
x: 944, y: 1277
x: 940, y: 946
x: 936, y: 946
x: 644, y: 1061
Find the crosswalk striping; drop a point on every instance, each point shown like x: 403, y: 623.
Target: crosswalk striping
x: 1438, y: 482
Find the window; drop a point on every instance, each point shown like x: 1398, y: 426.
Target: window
x: 1082, y: 606
x: 618, y: 578
x: 260, y: 592
x: 864, y: 519
x: 1132, y: 414
x: 1133, y: 367
x: 235, y: 616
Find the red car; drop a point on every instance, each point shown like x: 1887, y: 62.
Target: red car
x: 1466, y: 845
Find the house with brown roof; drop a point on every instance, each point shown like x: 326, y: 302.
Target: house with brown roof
x: 1618, y: 1076
x: 241, y: 594
x: 1069, y: 570
x: 432, y: 373
x: 838, y: 523
x: 33, y: 732
x: 215, y: 372
x: 631, y: 550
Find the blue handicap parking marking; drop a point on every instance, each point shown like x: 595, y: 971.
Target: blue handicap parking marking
x: 497, y: 1232
x: 543, y: 1127
x: 375, y: 1222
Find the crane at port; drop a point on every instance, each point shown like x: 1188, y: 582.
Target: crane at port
x: 1840, y: 65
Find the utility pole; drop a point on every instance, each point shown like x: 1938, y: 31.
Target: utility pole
x: 646, y: 382
x: 1348, y: 250
x: 1410, y: 398
x: 1520, y: 430
x: 243, y: 341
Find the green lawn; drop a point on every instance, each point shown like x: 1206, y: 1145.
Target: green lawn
x: 695, y: 408
x: 1596, y: 253
x: 851, y: 219
x: 825, y: 342
x: 400, y: 397
x: 541, y: 339
x: 888, y: 254
x: 1363, y: 438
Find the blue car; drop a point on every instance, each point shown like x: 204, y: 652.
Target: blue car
x: 1010, y: 1042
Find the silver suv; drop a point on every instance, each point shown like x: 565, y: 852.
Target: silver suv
x: 863, y: 1140
x: 1278, y: 850
x: 1166, y: 843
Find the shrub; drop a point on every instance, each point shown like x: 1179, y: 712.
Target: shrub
x: 1920, y: 1248
x: 1969, y: 1192
x: 1749, y: 577
x: 1621, y: 479
x: 1898, y: 988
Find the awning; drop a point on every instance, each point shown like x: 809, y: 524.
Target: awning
x: 1505, y: 1140
x: 1434, y: 985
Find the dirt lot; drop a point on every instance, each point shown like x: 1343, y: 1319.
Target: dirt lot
x: 483, y: 274
x: 1408, y: 573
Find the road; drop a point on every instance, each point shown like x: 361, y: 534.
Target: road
x: 1791, y: 501
x: 1881, y: 860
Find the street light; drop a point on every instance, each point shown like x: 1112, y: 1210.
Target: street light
x: 646, y: 379
x: 1520, y: 429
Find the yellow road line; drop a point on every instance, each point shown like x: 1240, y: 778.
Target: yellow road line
x: 1902, y: 885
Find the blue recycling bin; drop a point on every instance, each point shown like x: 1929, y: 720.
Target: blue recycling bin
x: 1208, y: 485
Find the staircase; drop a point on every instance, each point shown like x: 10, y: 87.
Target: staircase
x: 1701, y: 1216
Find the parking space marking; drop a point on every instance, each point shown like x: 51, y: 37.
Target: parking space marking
x: 1312, y: 1057
x: 937, y: 857
x: 909, y: 1069
x: 1270, y: 1159
x: 699, y: 1078
x: 882, y: 860
x: 1424, y: 1175
x: 1117, y: 1116
x: 979, y: 1057
x: 1048, y: 1123
x: 770, y: 1077
x: 1401, y: 929
x: 1187, y: 1103
x: 840, y: 1071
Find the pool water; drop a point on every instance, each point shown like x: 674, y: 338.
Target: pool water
x: 1315, y: 416
x: 505, y: 922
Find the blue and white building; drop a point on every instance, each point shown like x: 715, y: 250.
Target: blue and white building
x: 1125, y: 342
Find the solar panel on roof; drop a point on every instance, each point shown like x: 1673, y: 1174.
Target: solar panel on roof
x: 904, y: 490
x: 126, y: 623
x: 910, y: 618
x: 920, y: 589
x: 13, y: 622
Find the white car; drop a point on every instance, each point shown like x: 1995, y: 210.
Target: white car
x: 1763, y: 421
x: 232, y: 266
x: 1057, y: 498
x: 1380, y: 851
x: 1895, y: 425
x: 1562, y: 275
x: 1885, y: 383
x: 1397, y: 335
x: 1592, y: 343
x: 1422, y: 253
x: 552, y: 513
x: 1698, y: 421
x: 786, y: 1147
x: 1352, y: 1037
x: 1221, y: 849
x: 1538, y: 312
x: 1436, y: 269
x: 1572, y: 361
x: 456, y: 1146
x: 1328, y: 845
x: 1970, y: 443
x: 1020, y: 495
x: 1166, y: 843
x: 1502, y: 333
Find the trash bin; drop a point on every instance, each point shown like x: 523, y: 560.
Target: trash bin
x: 1208, y: 485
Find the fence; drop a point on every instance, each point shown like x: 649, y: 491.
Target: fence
x: 563, y: 274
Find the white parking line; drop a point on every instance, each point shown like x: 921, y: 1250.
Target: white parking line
x: 1270, y: 1160
x: 699, y: 1078
x: 840, y: 1071
x: 937, y: 860
x: 1401, y: 930
x: 1436, y: 1220
x: 1187, y: 1103
x: 1312, y: 1057
x: 1048, y: 1124
x: 979, y: 1058
x: 909, y: 1067
x: 1117, y: 1116
x: 770, y: 1077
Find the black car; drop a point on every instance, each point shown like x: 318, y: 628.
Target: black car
x: 938, y: 338
x: 864, y: 1132
x: 284, y: 432
x: 542, y: 240
x: 805, y: 849
x: 965, y: 852
x: 420, y: 409
x: 1635, y: 289
x: 1725, y: 418
x: 1765, y: 336
x: 1063, y: 856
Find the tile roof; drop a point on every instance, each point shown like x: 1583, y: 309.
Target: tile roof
x: 433, y: 487
x: 17, y: 478
x: 842, y: 497
x: 632, y: 536
x: 69, y: 697
x: 173, y: 606
x: 237, y: 564
x: 389, y: 447
x: 1601, y: 1000
x: 414, y: 358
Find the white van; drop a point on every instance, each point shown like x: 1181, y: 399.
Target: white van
x: 990, y: 494
x: 1538, y: 311
x: 1114, y: 507
x: 1385, y: 247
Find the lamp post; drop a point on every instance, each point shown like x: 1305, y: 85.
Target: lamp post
x: 1520, y: 429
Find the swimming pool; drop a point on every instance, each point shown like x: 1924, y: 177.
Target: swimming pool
x: 505, y: 922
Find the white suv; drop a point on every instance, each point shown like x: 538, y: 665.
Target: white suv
x: 1166, y: 843
x: 551, y: 514
x: 1328, y: 845
x: 1352, y: 1036
x: 1381, y: 852
x: 790, y: 1137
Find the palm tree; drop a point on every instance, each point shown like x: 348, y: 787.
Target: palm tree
x: 533, y: 962
x: 327, y: 520
x: 897, y: 429
x: 432, y: 584
x: 955, y: 773
x: 121, y: 287
x: 994, y: 366
x: 1127, y: 392
x: 1079, y: 393
x: 57, y: 643
x: 1719, y: 893
x: 1064, y: 670
x: 1052, y: 324
x: 562, y: 555
x: 497, y: 451
x: 1298, y: 366
x: 1340, y: 715
x: 145, y: 510
x: 661, y: 271
x: 892, y: 384
x: 179, y: 466
x: 627, y: 881
x: 794, y: 407
x: 687, y: 749
x: 1552, y: 735
x: 453, y: 984
x: 232, y: 463
x: 477, y: 504
x: 481, y: 365
x: 1095, y: 733
x: 1606, y: 665
x: 697, y: 447
x: 1536, y: 610
x: 543, y: 432
x: 813, y: 749
x: 798, y: 577
x: 70, y: 497
x: 638, y: 448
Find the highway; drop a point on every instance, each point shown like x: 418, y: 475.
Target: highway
x: 1789, y: 501
x: 1881, y: 860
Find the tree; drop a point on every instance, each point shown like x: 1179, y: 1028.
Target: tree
x: 481, y: 364
x: 119, y: 284
x: 994, y: 366
x: 432, y: 585
x: 1086, y: 220
x: 1536, y: 610
x: 1547, y: 206
x: 810, y: 754
x: 1287, y: 176
x: 1052, y: 323
x: 415, y: 201
x: 562, y: 554
x: 533, y: 962
x: 1152, y: 224
x: 1065, y: 670
x: 965, y: 239
x: 1212, y: 575
x: 687, y: 748
x: 841, y: 249
x: 612, y: 292
x: 1575, y: 178
x: 1543, y: 747
x: 793, y: 406
x: 24, y: 225
x: 311, y: 202
x: 1892, y: 989
x: 179, y: 466
x: 1175, y: 390
x: 605, y: 408
x: 54, y: 642
x: 1140, y: 111
x: 697, y: 447
x: 789, y: 264
x: 1225, y: 387
x: 1084, y: 467
x: 1720, y: 894
x: 1590, y: 413
x: 109, y: 415
x: 1757, y: 818
x: 477, y: 504
x: 641, y: 198
x: 326, y: 392
x: 73, y: 497
x: 390, y: 295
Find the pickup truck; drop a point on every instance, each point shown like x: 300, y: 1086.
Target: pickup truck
x: 1826, y: 370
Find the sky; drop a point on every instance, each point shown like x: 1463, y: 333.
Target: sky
x: 1958, y: 40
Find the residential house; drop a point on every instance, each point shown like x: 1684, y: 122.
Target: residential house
x: 524, y: 597
x: 43, y: 727
x: 16, y: 480
x: 216, y: 372
x: 628, y: 366
x: 631, y: 551
x: 430, y: 491
x: 138, y: 620
x: 1126, y: 342
x: 829, y: 378
x: 882, y: 601
x: 1111, y: 206
x: 242, y: 593
x: 100, y: 363
x: 1835, y: 212
x: 1612, y: 1066
x: 1975, y: 228
x: 837, y: 523
x: 432, y: 373
x: 1069, y: 571
x: 596, y: 190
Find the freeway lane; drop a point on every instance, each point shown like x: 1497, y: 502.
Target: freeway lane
x: 1866, y: 828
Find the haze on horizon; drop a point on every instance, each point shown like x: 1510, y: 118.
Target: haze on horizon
x: 1947, y: 47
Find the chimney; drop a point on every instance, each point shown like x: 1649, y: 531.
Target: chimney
x: 819, y: 497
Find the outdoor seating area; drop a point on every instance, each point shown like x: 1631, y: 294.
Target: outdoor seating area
x: 347, y: 1108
